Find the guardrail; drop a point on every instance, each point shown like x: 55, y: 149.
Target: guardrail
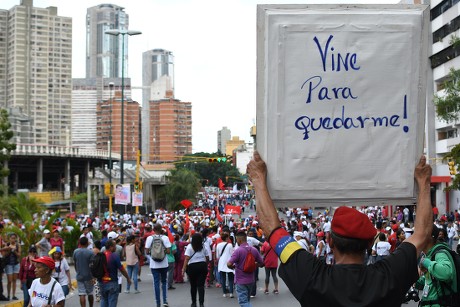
x: 61, y: 151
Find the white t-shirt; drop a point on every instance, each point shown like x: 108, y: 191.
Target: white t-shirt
x: 207, y: 244
x: 61, y: 276
x: 253, y: 241
x: 382, y: 248
x: 198, y: 256
x: 156, y: 264
x: 39, y: 293
x: 226, y: 254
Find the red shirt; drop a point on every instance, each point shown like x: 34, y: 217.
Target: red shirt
x: 269, y: 256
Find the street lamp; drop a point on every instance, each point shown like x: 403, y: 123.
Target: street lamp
x: 110, y: 152
x: 123, y: 33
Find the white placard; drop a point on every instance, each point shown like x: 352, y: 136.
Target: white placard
x: 341, y: 101
x: 138, y: 199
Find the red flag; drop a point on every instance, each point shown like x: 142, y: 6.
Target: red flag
x: 220, y: 184
x: 186, y: 203
x: 232, y: 209
x: 170, y: 236
x: 187, y: 223
x: 219, y: 218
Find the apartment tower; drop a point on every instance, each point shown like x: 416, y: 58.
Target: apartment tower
x: 157, y: 84
x: 35, y: 70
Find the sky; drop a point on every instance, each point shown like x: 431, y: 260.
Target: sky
x: 214, y: 48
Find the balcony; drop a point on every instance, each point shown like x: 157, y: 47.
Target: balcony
x: 445, y: 146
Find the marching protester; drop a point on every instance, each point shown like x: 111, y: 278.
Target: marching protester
x: 132, y: 262
x: 62, y: 270
x: 45, y: 290
x: 271, y: 266
x: 12, y: 264
x: 158, y: 245
x: 82, y: 257
x: 196, y: 267
x: 438, y: 280
x: 44, y: 246
x: 244, y: 279
x: 27, y: 273
x: 349, y: 282
x: 224, y: 251
x: 109, y: 282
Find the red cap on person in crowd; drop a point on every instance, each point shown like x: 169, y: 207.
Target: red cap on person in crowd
x: 395, y: 227
x: 48, y: 261
x: 320, y: 234
x: 351, y: 223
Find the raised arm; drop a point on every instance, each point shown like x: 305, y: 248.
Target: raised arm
x: 424, y: 222
x: 266, y: 211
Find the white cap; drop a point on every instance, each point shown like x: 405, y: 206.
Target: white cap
x: 298, y: 233
x: 46, y: 231
x: 112, y: 235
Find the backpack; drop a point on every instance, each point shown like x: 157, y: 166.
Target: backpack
x: 98, y: 265
x: 452, y: 299
x: 249, y: 265
x: 157, y: 250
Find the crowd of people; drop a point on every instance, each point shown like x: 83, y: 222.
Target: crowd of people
x: 207, y: 250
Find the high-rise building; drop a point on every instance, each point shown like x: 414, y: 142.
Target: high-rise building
x: 170, y: 130
x: 223, y: 136
x: 86, y: 93
x: 157, y: 83
x: 104, y: 52
x: 35, y: 69
x: 108, y: 118
x: 445, y: 26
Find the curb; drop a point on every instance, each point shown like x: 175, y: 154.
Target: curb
x: 20, y: 303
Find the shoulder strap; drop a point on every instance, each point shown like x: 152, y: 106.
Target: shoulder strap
x: 221, y: 253
x: 51, y: 293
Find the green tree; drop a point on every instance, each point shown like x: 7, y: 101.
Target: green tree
x: 6, y: 134
x: 209, y: 173
x: 81, y: 201
x: 182, y: 184
x: 20, y: 206
x: 448, y: 105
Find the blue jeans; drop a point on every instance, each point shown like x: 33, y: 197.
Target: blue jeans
x: 132, y: 270
x: 157, y: 275
x: 223, y: 279
x: 26, y: 294
x: 109, y: 294
x: 243, y: 293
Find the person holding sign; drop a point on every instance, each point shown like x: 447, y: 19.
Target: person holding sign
x: 349, y: 282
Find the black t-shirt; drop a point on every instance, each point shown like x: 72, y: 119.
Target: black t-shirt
x: 384, y: 283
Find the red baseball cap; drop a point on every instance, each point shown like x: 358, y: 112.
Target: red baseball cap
x: 48, y: 261
x: 320, y: 234
x: 351, y: 223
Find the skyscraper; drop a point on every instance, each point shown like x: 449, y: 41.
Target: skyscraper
x: 103, y: 52
x: 157, y: 84
x: 35, y: 70
x: 223, y: 136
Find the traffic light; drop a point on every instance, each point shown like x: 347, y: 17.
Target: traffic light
x: 136, y: 186
x: 107, y: 189
x: 217, y: 160
x: 452, y: 169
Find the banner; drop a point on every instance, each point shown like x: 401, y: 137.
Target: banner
x: 122, y: 194
x: 232, y: 209
x: 138, y: 199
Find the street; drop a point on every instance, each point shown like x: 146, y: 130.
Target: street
x: 213, y: 296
